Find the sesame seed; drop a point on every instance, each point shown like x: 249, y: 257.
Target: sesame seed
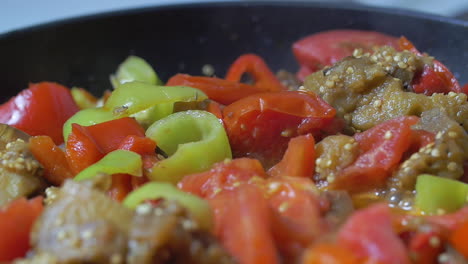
x: 318, y: 161
x: 286, y: 133
x: 388, y: 68
x: 143, y: 209
x: 283, y: 207
x: 434, y: 241
x: 377, y: 103
x: 217, y: 190
x: 328, y: 164
x: 443, y: 258
x: 350, y: 70
x: 452, y: 134
x: 348, y: 146
x: 452, y: 94
x: 452, y: 166
x: 402, y: 65
x: 396, y: 58
x: 274, y: 186
x: 61, y: 235
x: 330, y: 83
x: 388, y: 135
x: 330, y: 178
x: 322, y: 89
x: 236, y: 184
x: 435, y: 153
x: 87, y: 234
x: 439, y: 135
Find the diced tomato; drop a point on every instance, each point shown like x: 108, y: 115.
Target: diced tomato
x: 296, y: 219
x: 242, y: 223
x: 261, y: 125
x: 382, y: 148
x: 329, y: 254
x: 254, y: 65
x: 369, y: 233
x: 299, y: 159
x: 435, y: 79
x: 42, y: 109
x: 223, y: 175
x: 16, y: 222
x: 325, y: 48
x: 52, y: 158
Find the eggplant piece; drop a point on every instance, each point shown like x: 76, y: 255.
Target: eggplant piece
x: 19, y: 171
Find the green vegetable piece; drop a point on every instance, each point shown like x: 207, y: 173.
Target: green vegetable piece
x: 198, y: 208
x: 147, y: 117
x: 194, y: 140
x: 134, y: 69
x: 81, y: 99
x: 117, y: 161
x: 434, y: 194
x: 133, y: 97
x: 87, y: 117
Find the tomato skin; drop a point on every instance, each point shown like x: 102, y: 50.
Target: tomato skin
x: 382, y: 147
x: 42, y: 109
x: 242, y: 224
x: 369, y: 233
x: 260, y: 123
x: 326, y: 48
x: 16, y: 221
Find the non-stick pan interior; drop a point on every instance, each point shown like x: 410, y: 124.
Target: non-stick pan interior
x: 83, y: 52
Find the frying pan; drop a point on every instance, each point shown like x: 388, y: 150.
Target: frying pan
x: 182, y: 38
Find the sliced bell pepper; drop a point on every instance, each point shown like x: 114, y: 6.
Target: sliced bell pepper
x: 199, y: 208
x: 42, y: 109
x: 121, y: 186
x: 194, y: 141
x: 459, y: 239
x: 254, y: 65
x: 108, y: 135
x: 134, y: 69
x: 434, y: 194
x: 138, y: 144
x: 16, y: 222
x: 133, y: 97
x: 52, y: 158
x: 298, y: 160
x: 87, y: 117
x: 219, y: 90
x: 83, y: 98
x: 117, y: 161
x: 82, y: 150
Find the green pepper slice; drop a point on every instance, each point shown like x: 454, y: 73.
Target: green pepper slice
x: 133, y: 97
x: 117, y: 161
x: 134, y: 69
x: 198, y: 208
x: 194, y: 140
x: 435, y: 195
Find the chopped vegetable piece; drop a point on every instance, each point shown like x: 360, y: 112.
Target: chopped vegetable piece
x: 134, y: 69
x: 194, y: 141
x: 199, y: 208
x: 434, y: 194
x: 82, y: 150
x: 42, y: 109
x: 219, y: 90
x: 83, y: 98
x: 117, y: 161
x: 16, y: 222
x: 329, y: 254
x: 87, y: 117
x: 254, y: 65
x: 459, y: 239
x: 52, y: 158
x: 133, y: 97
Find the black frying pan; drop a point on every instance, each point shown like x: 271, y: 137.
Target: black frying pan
x: 84, y: 51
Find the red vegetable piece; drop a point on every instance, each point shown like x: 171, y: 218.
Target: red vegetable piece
x: 254, y: 65
x: 16, y: 222
x: 299, y: 159
x: 219, y: 90
x: 325, y: 48
x: 81, y: 149
x: 261, y: 125
x: 368, y: 233
x: 138, y: 144
x: 42, y: 109
x: 382, y: 147
x: 242, y: 223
